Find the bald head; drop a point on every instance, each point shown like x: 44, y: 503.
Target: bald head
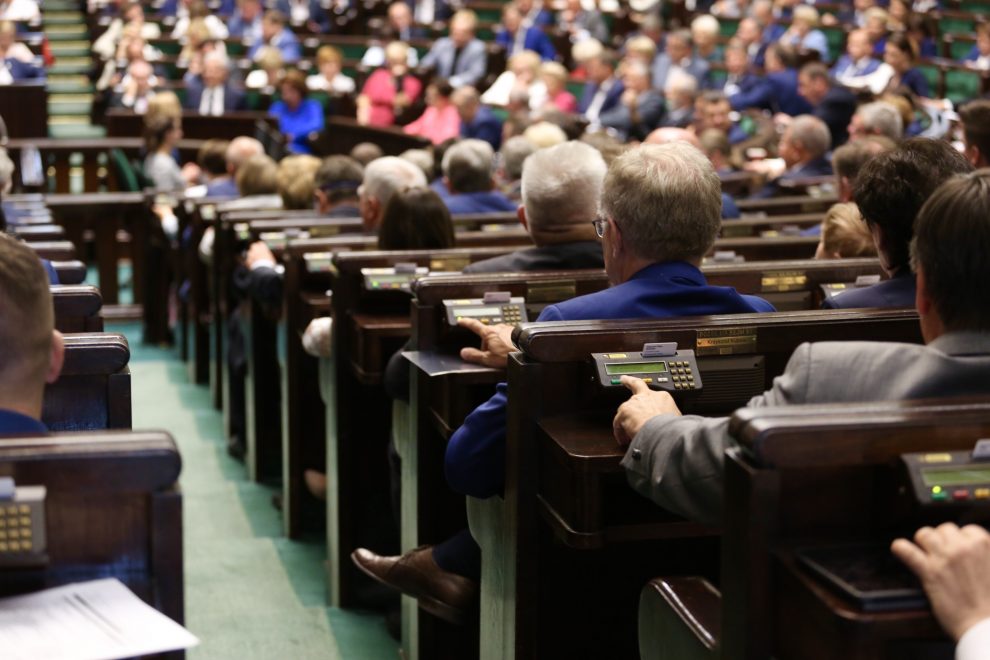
x: 240, y: 150
x: 669, y: 135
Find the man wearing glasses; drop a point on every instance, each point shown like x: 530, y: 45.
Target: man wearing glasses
x: 661, y: 212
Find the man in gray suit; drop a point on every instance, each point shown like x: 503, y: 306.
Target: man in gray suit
x: 460, y: 58
x: 677, y: 460
x: 678, y: 55
x: 640, y: 108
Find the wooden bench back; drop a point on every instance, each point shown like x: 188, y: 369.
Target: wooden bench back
x: 94, y: 389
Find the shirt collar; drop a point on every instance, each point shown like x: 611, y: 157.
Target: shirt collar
x: 15, y: 423
x: 670, y: 270
x: 963, y: 343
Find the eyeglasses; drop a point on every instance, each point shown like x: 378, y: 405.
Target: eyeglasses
x: 600, y: 224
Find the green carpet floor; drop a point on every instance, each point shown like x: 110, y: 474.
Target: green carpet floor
x: 250, y: 593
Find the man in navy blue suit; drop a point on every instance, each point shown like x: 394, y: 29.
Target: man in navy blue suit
x: 515, y: 37
x: 603, y: 91
x: 803, y: 147
x: 211, y: 92
x: 467, y: 170
x: 477, y: 120
x: 661, y: 207
x: 238, y: 152
x: 18, y: 70
x: 890, y: 190
x: 31, y: 350
x: 832, y: 103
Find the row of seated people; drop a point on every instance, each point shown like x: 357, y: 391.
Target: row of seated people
x: 927, y: 156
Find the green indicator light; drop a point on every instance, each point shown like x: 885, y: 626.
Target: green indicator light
x: 616, y: 381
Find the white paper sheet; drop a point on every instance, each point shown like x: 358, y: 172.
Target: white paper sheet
x: 97, y: 620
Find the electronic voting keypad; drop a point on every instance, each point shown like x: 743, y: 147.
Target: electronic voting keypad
x: 955, y: 479
x: 660, y: 365
x: 398, y: 278
x: 495, y: 307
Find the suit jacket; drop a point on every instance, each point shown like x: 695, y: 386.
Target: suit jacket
x: 487, y: 201
x: 649, y: 106
x: 784, y: 95
x: 20, y: 70
x: 817, y: 167
x: 662, y: 65
x: 677, y: 461
x: 236, y: 26
x: 562, y: 256
x: 535, y: 40
x: 475, y: 457
x: 485, y: 126
x: 836, y: 110
x: 222, y: 187
x: 898, y: 291
x: 846, y: 66
x: 471, y: 67
x: 317, y: 13
x: 233, y: 96
x: 612, y: 96
x: 15, y: 423
x: 285, y: 41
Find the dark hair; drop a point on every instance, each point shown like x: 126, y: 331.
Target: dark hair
x: 951, y: 244
x: 438, y: 151
x: 416, y: 219
x: 443, y: 87
x: 892, y: 187
x: 815, y: 71
x: 212, y: 156
x: 787, y: 55
x: 975, y: 117
x: 297, y: 80
x: 904, y: 44
x: 339, y: 178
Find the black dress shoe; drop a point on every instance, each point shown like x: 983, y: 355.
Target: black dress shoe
x: 447, y: 595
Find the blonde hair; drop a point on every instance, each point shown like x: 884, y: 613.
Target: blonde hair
x: 807, y: 14
x: 586, y: 49
x: 328, y: 54
x: 544, y: 134
x: 269, y: 57
x: 256, y: 176
x: 642, y: 46
x: 554, y: 70
x: 844, y: 233
x: 163, y: 104
x: 295, y: 180
x: 527, y: 59
x: 397, y: 50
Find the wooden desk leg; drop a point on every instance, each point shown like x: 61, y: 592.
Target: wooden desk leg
x: 106, y: 260
x: 498, y: 564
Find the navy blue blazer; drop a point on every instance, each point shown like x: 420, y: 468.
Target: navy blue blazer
x: 729, y: 209
x: 233, y: 97
x: 317, y: 13
x: 223, y: 187
x: 836, y: 110
x: 15, y: 423
x: 612, y: 96
x: 820, y: 166
x: 784, y: 94
x: 485, y: 126
x: 536, y: 40
x: 475, y: 457
x: 915, y: 80
x: 23, y: 70
x: 898, y: 291
x: 487, y: 201
x: 50, y: 270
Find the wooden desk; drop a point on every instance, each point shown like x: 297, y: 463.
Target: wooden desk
x: 124, y: 123
x: 113, y: 509
x: 94, y: 389
x: 25, y: 109
x: 77, y: 308
x: 571, y: 483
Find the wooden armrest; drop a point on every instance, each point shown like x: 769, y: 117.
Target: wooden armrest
x: 679, y: 618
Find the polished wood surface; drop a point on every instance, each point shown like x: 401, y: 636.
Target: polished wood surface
x: 94, y: 389
x: 77, y: 308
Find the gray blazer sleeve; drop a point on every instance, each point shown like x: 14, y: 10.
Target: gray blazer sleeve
x: 677, y: 461
x: 474, y: 67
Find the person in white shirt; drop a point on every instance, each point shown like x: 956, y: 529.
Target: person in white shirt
x: 198, y: 10
x: 10, y: 47
x: 953, y: 565
x: 522, y: 73
x: 21, y: 11
x: 329, y: 62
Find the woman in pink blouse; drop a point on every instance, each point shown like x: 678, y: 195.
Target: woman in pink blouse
x: 440, y: 121
x: 554, y: 77
x: 390, y: 90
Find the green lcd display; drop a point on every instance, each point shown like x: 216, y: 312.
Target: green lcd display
x: 619, y: 368
x: 963, y: 476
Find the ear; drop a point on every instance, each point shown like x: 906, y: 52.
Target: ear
x: 521, y: 214
x: 922, y: 299
x: 322, y: 203
x: 446, y: 183
x: 616, y: 243
x: 57, y: 358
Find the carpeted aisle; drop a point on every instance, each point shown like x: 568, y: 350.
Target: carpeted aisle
x: 250, y: 593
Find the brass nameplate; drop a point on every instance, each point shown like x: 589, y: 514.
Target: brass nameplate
x: 321, y: 231
x: 784, y: 280
x: 553, y: 291
x: 319, y: 262
x: 730, y: 231
x: 731, y: 341
x: 449, y: 264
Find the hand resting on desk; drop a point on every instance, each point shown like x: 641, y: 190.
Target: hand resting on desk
x: 953, y: 565
x: 643, y: 405
x: 496, y: 343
